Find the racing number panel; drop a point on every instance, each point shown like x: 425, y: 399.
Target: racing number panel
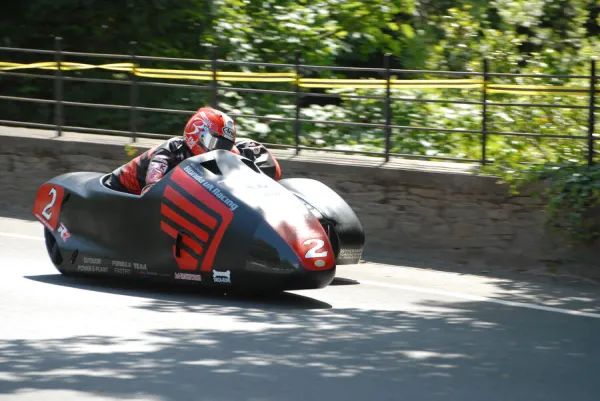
x: 47, y: 205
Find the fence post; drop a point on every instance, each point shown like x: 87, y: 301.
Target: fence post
x: 388, y: 106
x: 58, y: 87
x: 484, y: 113
x: 592, y: 116
x: 214, y: 101
x: 133, y: 94
x: 297, y: 124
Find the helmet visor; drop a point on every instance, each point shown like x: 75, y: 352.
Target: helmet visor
x: 211, y: 141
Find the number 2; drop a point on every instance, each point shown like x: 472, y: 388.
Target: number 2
x: 312, y: 252
x: 45, y: 213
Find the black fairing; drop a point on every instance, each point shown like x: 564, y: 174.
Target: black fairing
x: 116, y: 233
x: 344, y: 228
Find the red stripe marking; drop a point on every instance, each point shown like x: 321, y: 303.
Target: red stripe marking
x: 168, y: 229
x: 189, y: 207
x: 196, y: 247
x: 185, y: 261
x: 197, y: 231
x: 202, y: 194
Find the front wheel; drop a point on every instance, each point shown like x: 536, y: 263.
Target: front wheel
x: 53, y: 251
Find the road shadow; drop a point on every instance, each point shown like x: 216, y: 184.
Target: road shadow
x: 188, y: 294
x: 343, y: 281
x: 432, y: 350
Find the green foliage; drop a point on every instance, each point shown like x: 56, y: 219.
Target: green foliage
x: 571, y: 195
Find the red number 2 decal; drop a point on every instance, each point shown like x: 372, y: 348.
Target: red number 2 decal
x: 312, y: 252
x: 47, y: 205
x: 48, y: 215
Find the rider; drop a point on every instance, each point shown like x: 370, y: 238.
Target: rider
x: 208, y: 129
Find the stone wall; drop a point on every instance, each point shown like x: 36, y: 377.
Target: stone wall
x: 457, y: 217
x: 418, y: 212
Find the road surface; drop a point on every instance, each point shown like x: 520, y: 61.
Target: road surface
x: 381, y: 332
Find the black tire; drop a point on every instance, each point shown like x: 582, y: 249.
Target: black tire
x: 54, y: 251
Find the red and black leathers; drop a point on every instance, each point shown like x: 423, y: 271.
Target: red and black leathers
x: 148, y: 168
x: 138, y: 175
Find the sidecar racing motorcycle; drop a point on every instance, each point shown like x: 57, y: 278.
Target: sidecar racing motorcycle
x: 215, y: 220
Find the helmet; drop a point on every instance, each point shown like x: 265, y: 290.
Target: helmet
x: 209, y: 129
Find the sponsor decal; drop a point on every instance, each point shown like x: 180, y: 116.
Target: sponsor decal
x: 120, y: 263
x: 128, y: 265
x: 188, y: 276
x: 92, y: 261
x: 92, y: 269
x: 120, y: 270
x: 160, y: 166
x: 156, y: 171
x: 228, y: 130
x: 258, y: 189
x: 195, y: 128
x: 139, y: 266
x: 348, y: 253
x: 191, y: 139
x: 320, y: 263
x: 197, y: 175
x: 205, y: 120
x: 64, y: 233
x: 222, y: 277
x: 221, y: 196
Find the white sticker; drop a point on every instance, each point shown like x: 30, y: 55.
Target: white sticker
x: 64, y: 233
x: 222, y: 277
x: 187, y: 276
x: 228, y: 130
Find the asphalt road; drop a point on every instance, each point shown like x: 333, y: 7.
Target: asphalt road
x: 381, y: 332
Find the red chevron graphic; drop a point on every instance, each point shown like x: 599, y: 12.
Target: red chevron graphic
x: 177, y: 218
x: 196, y: 189
x: 179, y: 200
x: 185, y: 261
x: 194, y: 246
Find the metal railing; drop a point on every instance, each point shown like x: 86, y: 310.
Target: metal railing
x: 214, y: 75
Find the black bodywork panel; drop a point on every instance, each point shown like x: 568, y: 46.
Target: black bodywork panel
x: 215, y: 220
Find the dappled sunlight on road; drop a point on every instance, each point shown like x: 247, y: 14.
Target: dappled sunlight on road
x: 234, y: 343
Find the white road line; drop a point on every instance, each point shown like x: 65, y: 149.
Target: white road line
x: 481, y: 299
x: 21, y: 236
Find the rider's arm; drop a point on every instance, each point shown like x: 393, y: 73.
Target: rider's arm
x: 158, y: 167
x: 259, y: 154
